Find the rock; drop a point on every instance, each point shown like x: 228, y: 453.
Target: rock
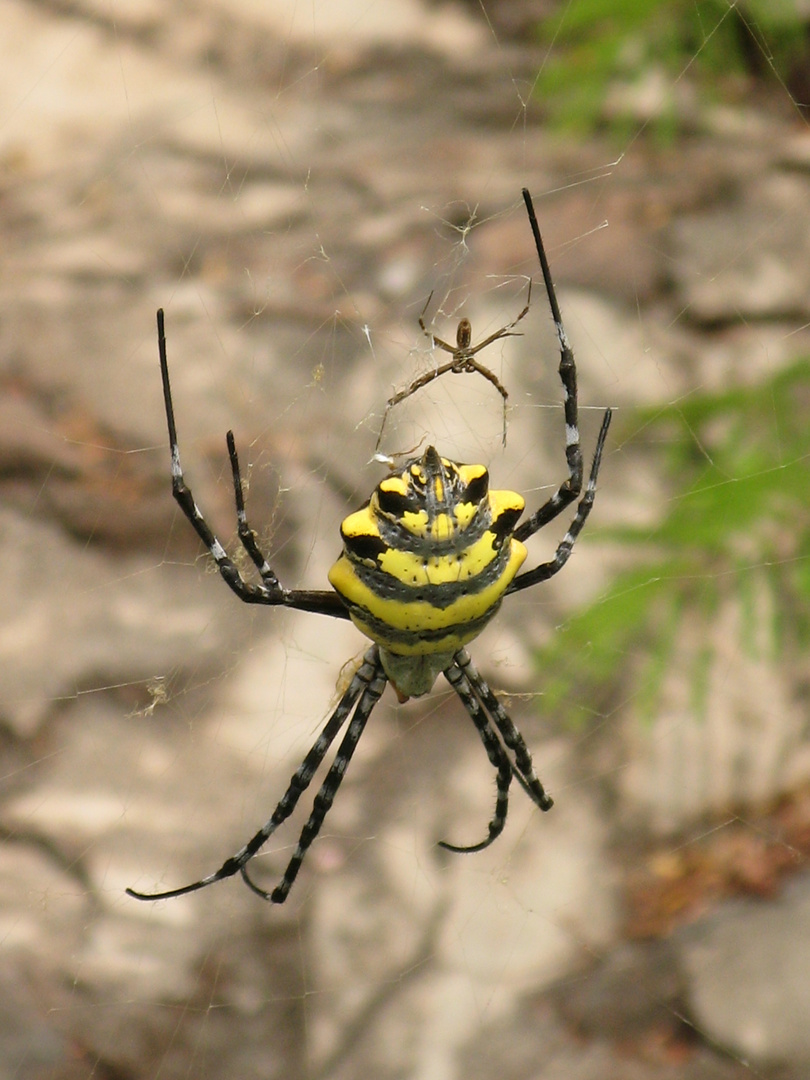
x: 746, y: 969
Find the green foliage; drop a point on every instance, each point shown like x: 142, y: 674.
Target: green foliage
x: 595, y: 46
x: 737, y: 524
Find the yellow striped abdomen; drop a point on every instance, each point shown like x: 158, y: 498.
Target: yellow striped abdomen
x: 427, y: 561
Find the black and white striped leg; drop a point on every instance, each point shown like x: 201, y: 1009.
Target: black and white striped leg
x: 458, y: 679
x: 569, y: 490
x: 523, y: 766
x: 376, y: 681
x: 549, y: 569
x: 247, y: 536
x: 269, y: 591
x: 367, y: 685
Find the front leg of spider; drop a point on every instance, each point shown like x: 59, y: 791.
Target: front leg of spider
x: 425, y: 565
x: 364, y: 691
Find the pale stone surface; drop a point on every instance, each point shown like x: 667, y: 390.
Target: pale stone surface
x: 290, y: 182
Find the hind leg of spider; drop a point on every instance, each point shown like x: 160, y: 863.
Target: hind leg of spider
x: 495, y: 752
x: 365, y: 686
x: 326, y: 795
x: 270, y: 591
x: 569, y: 490
x: 247, y: 536
x: 548, y: 569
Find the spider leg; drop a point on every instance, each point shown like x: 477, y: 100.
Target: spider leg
x: 247, y: 536
x: 418, y: 383
x: 436, y: 342
x: 401, y: 395
x: 505, y: 331
x: 523, y: 767
x: 367, y: 684
x: 570, y: 488
x: 464, y: 366
x: 375, y: 684
x: 548, y: 569
x: 270, y: 591
x: 458, y: 679
x: 471, y: 365
x: 463, y: 351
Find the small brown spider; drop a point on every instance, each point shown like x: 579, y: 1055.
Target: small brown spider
x: 463, y: 360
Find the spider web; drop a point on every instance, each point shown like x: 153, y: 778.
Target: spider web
x: 233, y: 164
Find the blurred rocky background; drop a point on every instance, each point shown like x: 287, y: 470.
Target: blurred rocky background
x: 292, y: 182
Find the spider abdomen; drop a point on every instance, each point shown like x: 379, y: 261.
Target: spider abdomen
x: 426, y: 562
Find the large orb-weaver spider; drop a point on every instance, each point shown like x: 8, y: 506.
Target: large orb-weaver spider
x: 424, y: 567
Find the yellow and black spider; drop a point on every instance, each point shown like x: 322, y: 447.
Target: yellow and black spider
x: 424, y: 567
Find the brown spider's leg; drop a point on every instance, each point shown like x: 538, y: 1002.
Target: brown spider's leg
x: 470, y: 366
x: 270, y: 591
x: 369, y: 681
x: 437, y: 342
x: 417, y: 384
x: 464, y: 349
x: 505, y: 331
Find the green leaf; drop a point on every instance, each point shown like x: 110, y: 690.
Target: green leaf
x: 593, y: 46
x: 737, y: 526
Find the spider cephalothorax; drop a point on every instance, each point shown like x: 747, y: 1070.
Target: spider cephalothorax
x: 425, y: 565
